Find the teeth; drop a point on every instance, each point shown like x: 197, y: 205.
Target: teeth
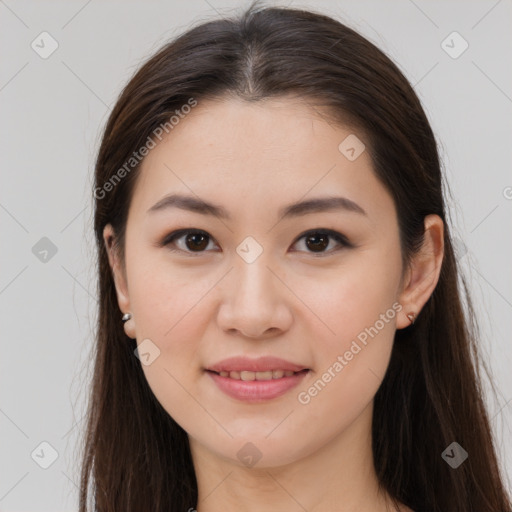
x: 248, y: 376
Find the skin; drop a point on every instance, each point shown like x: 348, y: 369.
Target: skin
x: 201, y: 307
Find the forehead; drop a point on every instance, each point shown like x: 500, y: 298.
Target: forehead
x: 251, y: 155
x: 281, y: 131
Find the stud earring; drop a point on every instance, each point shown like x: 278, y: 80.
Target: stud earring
x: 129, y: 325
x: 412, y: 317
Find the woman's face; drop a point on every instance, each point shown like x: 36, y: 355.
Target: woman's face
x: 256, y: 282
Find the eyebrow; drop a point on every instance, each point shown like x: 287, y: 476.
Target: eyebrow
x: 316, y: 205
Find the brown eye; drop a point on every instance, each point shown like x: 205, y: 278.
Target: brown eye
x: 187, y: 241
x: 196, y: 241
x: 317, y: 242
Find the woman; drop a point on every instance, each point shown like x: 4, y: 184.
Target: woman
x: 280, y: 321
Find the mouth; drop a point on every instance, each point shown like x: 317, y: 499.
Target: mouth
x: 247, y: 375
x: 256, y: 387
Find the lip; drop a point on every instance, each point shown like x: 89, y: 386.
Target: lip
x: 261, y: 364
x: 256, y: 390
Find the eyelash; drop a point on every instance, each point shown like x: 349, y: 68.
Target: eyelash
x: 338, y: 237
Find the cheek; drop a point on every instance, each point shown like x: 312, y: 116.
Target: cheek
x: 360, y: 309
x: 168, y: 303
x: 169, y: 308
x: 351, y: 363
x: 349, y: 300
x: 166, y: 295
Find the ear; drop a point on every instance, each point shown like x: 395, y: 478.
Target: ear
x: 117, y: 269
x: 424, y: 270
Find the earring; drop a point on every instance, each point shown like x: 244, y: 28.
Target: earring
x: 129, y: 325
x: 412, y: 317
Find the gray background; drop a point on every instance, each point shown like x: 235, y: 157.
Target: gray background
x: 52, y: 113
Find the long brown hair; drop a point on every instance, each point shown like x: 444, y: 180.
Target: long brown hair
x: 135, y: 456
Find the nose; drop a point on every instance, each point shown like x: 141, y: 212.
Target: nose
x: 255, y: 303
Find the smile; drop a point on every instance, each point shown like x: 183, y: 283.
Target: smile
x: 247, y: 375
x: 251, y: 386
